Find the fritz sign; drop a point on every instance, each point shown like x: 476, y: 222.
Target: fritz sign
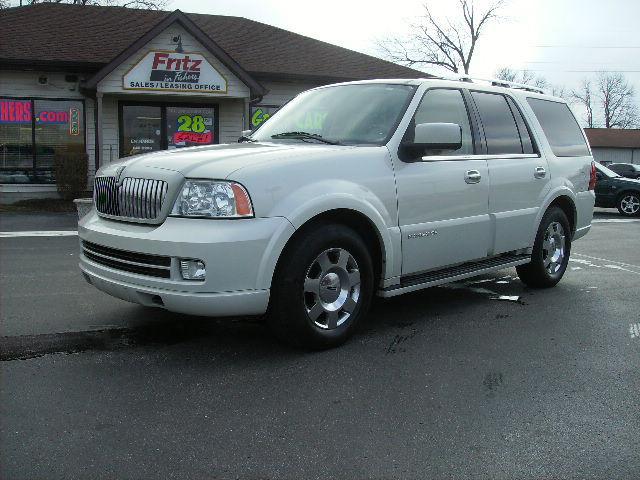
x: 174, y: 72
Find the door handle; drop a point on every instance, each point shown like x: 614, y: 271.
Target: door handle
x: 472, y: 176
x: 540, y: 172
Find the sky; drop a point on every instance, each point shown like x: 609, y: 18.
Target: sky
x: 561, y: 40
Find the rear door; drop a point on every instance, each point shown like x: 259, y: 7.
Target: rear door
x: 443, y: 196
x: 519, y: 174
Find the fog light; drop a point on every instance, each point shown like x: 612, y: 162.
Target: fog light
x: 192, y: 269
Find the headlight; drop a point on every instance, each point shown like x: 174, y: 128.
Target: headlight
x: 216, y: 199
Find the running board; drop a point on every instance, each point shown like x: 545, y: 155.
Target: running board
x: 409, y: 283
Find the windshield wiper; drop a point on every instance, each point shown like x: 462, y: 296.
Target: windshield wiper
x: 305, y: 135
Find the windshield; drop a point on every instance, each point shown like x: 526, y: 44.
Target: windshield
x: 606, y: 171
x: 345, y: 114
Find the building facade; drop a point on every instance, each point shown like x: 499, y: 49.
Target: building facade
x: 613, y: 145
x: 111, y: 82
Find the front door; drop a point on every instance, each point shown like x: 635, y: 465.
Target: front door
x: 443, y: 197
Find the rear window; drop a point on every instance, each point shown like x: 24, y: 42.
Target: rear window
x: 560, y: 127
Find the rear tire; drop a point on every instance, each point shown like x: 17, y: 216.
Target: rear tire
x: 322, y: 287
x: 551, y: 251
x: 629, y: 204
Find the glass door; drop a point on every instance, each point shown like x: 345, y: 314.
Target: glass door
x: 141, y: 129
x: 190, y: 126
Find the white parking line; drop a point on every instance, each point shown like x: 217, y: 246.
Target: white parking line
x: 615, y: 220
x: 605, y: 260
x: 39, y: 233
x: 634, y: 330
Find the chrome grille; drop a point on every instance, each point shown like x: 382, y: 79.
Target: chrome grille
x: 134, y: 198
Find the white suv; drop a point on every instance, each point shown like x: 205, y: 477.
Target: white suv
x: 350, y: 190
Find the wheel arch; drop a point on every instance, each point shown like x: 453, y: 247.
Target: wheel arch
x: 354, y: 219
x: 624, y: 192
x: 568, y: 206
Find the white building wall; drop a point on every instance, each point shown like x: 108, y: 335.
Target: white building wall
x: 25, y: 84
x: 616, y: 155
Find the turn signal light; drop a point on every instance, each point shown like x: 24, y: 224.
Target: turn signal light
x: 243, y: 202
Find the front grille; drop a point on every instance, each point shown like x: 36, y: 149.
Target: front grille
x: 135, y: 198
x: 134, y: 262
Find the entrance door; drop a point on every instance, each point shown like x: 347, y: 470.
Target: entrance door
x: 443, y: 197
x: 141, y: 129
x: 147, y: 127
x: 190, y: 126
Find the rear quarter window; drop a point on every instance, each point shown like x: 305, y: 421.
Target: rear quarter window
x: 560, y: 127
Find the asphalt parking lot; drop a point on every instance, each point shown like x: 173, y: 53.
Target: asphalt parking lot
x: 450, y: 382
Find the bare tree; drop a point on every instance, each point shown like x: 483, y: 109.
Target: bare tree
x: 527, y: 77
x: 4, y: 4
x: 617, y: 101
x: 584, y: 96
x: 146, y: 4
x: 441, y: 41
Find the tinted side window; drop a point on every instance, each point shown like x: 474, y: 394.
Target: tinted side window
x: 499, y: 125
x: 560, y: 127
x: 525, y: 135
x: 446, y: 106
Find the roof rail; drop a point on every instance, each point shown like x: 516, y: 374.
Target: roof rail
x: 496, y: 82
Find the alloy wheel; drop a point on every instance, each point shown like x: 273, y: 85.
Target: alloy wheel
x: 553, y: 248
x: 630, y: 204
x: 332, y: 288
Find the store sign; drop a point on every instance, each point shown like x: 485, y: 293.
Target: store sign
x: 15, y: 111
x: 19, y: 111
x: 74, y: 121
x: 193, y: 129
x: 174, y: 72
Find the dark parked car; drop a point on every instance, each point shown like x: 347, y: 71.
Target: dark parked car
x: 613, y: 190
x: 628, y: 170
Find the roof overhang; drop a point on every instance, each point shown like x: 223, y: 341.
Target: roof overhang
x: 177, y: 17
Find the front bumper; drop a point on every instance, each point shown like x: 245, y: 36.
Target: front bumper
x: 240, y: 258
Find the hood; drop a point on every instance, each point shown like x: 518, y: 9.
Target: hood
x: 212, y: 161
x: 630, y: 181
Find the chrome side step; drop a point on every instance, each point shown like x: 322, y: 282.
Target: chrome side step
x: 409, y: 283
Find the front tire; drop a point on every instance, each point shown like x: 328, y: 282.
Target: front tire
x: 629, y: 204
x: 551, y: 251
x: 322, y: 287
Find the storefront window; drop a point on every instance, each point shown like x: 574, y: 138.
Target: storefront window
x: 142, y: 129
x: 145, y: 128
x: 58, y: 132
x: 187, y: 126
x: 260, y: 114
x: 33, y: 132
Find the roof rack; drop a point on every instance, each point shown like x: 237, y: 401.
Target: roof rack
x: 496, y: 82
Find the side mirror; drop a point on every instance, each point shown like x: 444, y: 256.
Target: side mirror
x: 438, y: 136
x: 432, y: 136
x: 245, y: 135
